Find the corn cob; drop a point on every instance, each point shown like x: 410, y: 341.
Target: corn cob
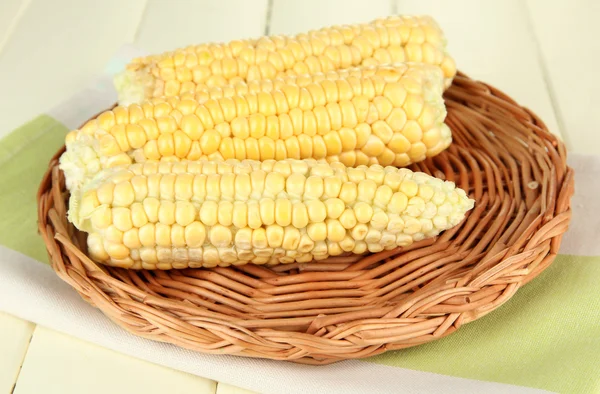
x: 352, y: 75
x: 162, y: 215
x: 387, y: 40
x: 388, y: 116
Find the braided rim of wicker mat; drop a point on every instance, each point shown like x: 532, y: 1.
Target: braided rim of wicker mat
x: 358, y: 306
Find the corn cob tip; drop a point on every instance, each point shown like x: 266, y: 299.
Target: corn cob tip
x: 78, y: 162
x: 83, y: 158
x: 132, y: 86
x: 80, y: 211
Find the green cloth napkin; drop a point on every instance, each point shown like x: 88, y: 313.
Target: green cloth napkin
x: 24, y: 158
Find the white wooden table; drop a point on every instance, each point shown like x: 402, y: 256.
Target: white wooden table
x: 544, y: 53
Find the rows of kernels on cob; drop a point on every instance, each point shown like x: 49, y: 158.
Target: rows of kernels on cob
x: 203, y: 170
x: 162, y: 215
x: 388, y: 115
x: 388, y: 40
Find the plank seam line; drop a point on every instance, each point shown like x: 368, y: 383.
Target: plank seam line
x: 14, y: 386
x: 541, y: 59
x: 394, y: 7
x: 268, y: 17
x: 217, y: 387
x: 136, y: 33
x: 12, y: 26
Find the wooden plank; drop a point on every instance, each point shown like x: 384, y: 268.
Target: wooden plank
x: 10, y: 12
x: 567, y: 32
x: 56, y: 48
x: 224, y: 388
x: 14, y: 340
x: 168, y: 25
x: 57, y: 363
x: 492, y: 41
x: 291, y: 17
